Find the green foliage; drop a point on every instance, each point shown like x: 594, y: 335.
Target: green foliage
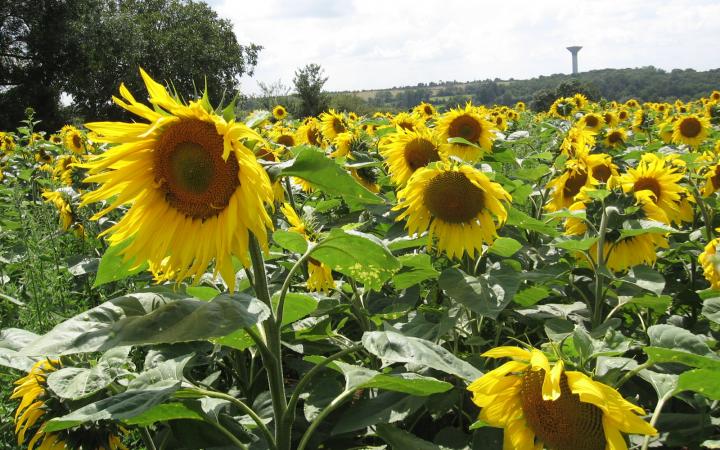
x: 309, y: 81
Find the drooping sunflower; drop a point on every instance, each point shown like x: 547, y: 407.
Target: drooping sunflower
x: 691, y: 129
x: 657, y: 178
x: 366, y: 176
x: 279, y: 112
x: 309, y: 133
x: 408, y: 151
x: 332, y: 124
x: 63, y: 207
x: 641, y: 121
x: 319, y: 275
x: 710, y: 262
x: 630, y: 251
x: 565, y: 187
x: 195, y: 190
x: 456, y: 203
x: 712, y: 180
x: 342, y: 144
x: 542, y: 404
x: 468, y: 124
x: 577, y: 142
x: 615, y: 137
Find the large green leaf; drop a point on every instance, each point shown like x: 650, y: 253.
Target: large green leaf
x: 164, y: 412
x: 711, y: 309
x: 487, y: 295
x: 147, y: 318
x: 401, y: 439
x: 703, y: 381
x: 394, y: 347
x: 290, y: 240
x: 360, y: 256
x: 323, y: 173
x: 75, y: 383
x: 415, y: 269
x: 12, y: 340
x: 670, y: 336
x: 387, y: 407
x: 666, y: 355
x: 123, y: 406
x: 505, y: 247
x: 113, y: 266
x: 646, y: 278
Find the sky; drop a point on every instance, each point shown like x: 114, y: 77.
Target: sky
x: 370, y: 44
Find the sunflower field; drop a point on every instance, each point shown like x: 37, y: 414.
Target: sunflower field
x: 475, y: 278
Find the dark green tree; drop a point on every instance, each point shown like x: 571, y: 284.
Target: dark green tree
x: 309, y: 82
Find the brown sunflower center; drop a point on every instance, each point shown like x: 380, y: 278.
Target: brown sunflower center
x: 562, y: 424
x: 623, y: 115
x: 190, y: 171
x: 428, y: 110
x: 608, y: 118
x: 465, y: 127
x: 451, y: 197
x: 338, y: 125
x: 592, y: 121
x: 648, y: 184
x: 419, y: 153
x: 77, y: 142
x: 715, y: 180
x: 601, y: 172
x: 406, y: 125
x: 313, y: 136
x: 615, y: 137
x: 574, y: 182
x: 690, y: 127
x: 286, y: 140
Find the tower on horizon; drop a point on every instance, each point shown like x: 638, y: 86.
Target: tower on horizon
x: 574, y: 50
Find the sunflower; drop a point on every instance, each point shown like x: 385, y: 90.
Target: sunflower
x: 580, y: 100
x: 7, y: 142
x: 455, y: 202
x: 56, y: 139
x: 73, y: 140
x: 32, y: 392
x: 426, y: 110
x: 631, y: 251
x: 710, y: 262
x: 632, y: 103
x: 610, y: 119
x: 657, y: 179
x: 342, y: 144
x: 562, y: 107
x: 194, y: 190
x: 408, y: 121
x: 577, y: 142
x: 408, y: 151
x: 332, y: 124
x: 63, y: 207
x: 319, y: 275
x: 623, y: 115
x: 641, y: 121
x: 569, y: 184
x: 500, y: 122
x: 541, y: 404
x: 283, y: 136
x: 715, y: 95
x: 520, y: 106
x: 712, y: 180
x: 615, y: 137
x: 279, y: 112
x: 601, y: 166
x: 309, y: 133
x: 468, y: 124
x: 366, y: 176
x: 691, y: 129
x: 592, y: 122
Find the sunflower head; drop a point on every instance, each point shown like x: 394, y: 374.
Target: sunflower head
x: 567, y: 186
x: 279, y: 112
x: 332, y: 124
x: 610, y: 119
x: 563, y: 107
x: 467, y: 124
x: 710, y: 261
x: 691, y: 130
x: 592, y: 121
x: 426, y: 110
x: 539, y: 404
x: 456, y: 203
x: 73, y: 139
x: 615, y: 137
x: 187, y: 172
x: 520, y: 106
x: 408, y: 151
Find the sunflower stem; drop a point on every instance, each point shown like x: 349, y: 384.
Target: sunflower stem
x: 703, y: 210
x: 272, y: 353
x: 286, y: 284
x: 600, y: 268
x: 337, y: 401
x: 147, y: 439
x: 656, y: 415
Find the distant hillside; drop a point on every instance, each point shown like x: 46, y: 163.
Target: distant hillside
x: 644, y: 84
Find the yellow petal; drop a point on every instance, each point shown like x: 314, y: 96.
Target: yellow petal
x: 508, y: 352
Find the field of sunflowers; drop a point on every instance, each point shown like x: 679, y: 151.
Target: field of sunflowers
x: 476, y: 278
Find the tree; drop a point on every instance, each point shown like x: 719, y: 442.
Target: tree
x: 87, y: 47
x: 309, y: 82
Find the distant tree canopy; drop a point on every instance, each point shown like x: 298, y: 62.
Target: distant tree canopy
x: 643, y: 84
x: 87, y: 47
x: 309, y: 82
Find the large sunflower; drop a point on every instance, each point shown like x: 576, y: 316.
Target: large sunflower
x: 73, y: 140
x: 541, y: 404
x: 627, y: 252
x: 332, y: 124
x: 691, y: 130
x: 468, y: 124
x: 457, y: 203
x: 194, y: 190
x: 657, y: 178
x: 408, y: 151
x: 309, y: 133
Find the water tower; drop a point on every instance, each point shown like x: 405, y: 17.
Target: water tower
x: 574, y: 50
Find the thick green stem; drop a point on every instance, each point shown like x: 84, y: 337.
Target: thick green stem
x: 147, y: 439
x: 600, y: 269
x: 272, y: 353
x: 337, y: 401
x: 244, y: 408
x: 286, y: 284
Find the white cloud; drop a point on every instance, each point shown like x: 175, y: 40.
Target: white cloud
x: 364, y: 44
